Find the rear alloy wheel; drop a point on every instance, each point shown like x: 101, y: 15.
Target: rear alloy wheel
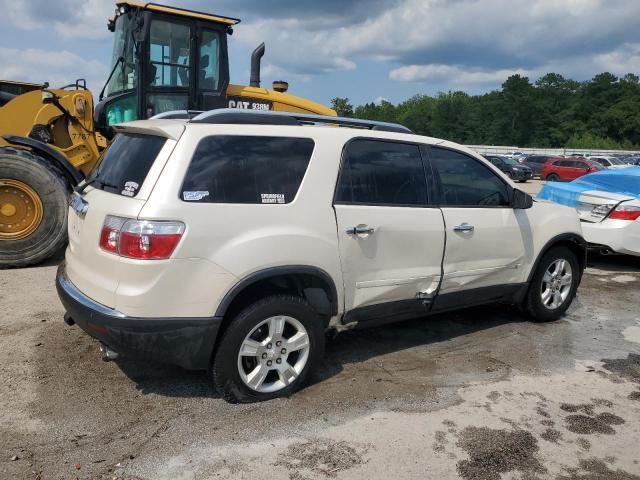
x: 270, y: 359
x: 554, y: 285
x: 552, y: 177
x: 268, y: 350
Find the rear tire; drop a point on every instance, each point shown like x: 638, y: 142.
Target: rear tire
x: 49, y: 191
x: 552, y: 177
x: 252, y: 328
x: 553, y: 280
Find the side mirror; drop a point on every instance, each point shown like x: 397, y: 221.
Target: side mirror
x: 521, y: 200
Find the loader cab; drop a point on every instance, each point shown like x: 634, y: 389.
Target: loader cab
x: 164, y: 59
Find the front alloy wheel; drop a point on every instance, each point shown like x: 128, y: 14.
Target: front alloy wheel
x: 556, y: 284
x: 273, y: 354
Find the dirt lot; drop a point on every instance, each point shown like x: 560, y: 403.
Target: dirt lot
x: 481, y: 394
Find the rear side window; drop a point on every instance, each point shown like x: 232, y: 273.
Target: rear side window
x: 247, y: 169
x: 382, y: 173
x: 124, y: 165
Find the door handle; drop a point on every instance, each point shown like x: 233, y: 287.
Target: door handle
x: 360, y: 230
x: 463, y: 227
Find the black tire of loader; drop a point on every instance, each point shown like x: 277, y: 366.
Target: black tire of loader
x: 53, y: 189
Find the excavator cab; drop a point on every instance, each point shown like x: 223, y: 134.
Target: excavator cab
x: 164, y: 59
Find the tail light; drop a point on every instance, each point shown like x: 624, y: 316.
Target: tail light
x: 140, y: 239
x: 625, y: 212
x: 601, y: 211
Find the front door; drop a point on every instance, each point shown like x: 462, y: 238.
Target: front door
x: 486, y: 238
x: 391, y: 239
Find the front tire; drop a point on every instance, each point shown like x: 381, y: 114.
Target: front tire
x: 268, y: 350
x: 552, y: 177
x: 553, y: 286
x: 33, y: 208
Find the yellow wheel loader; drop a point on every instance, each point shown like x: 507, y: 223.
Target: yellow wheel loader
x: 164, y: 59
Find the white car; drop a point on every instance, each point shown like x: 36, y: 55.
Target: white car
x: 234, y: 240
x: 608, y: 204
x: 609, y: 162
x: 610, y: 221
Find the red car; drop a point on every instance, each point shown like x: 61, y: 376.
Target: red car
x: 567, y: 169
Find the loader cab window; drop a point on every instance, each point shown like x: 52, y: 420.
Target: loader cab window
x: 209, y: 61
x: 169, y: 45
x: 124, y: 75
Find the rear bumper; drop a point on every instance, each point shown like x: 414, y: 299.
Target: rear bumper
x: 187, y: 342
x: 621, y: 236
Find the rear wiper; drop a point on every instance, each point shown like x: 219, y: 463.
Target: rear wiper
x: 80, y: 190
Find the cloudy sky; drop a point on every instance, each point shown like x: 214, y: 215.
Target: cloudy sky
x: 361, y: 49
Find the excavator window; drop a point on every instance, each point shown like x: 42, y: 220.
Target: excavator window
x: 124, y: 77
x: 169, y: 53
x: 208, y: 68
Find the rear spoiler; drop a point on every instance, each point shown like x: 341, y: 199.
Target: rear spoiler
x: 172, y: 129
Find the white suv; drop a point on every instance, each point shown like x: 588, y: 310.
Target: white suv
x: 234, y: 240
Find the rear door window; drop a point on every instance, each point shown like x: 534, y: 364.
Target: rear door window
x: 124, y: 165
x: 382, y: 173
x: 247, y: 169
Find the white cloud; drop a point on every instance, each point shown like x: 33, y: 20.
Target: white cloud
x: 57, y: 68
x: 620, y: 61
x: 476, y: 42
x: 453, y: 42
x: 85, y: 19
x: 452, y: 74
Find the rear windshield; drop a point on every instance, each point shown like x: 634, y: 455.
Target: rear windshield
x: 124, y: 165
x: 247, y: 169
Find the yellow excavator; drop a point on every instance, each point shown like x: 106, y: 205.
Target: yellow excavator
x: 164, y: 59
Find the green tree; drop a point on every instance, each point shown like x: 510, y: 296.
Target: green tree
x: 553, y: 112
x: 342, y: 107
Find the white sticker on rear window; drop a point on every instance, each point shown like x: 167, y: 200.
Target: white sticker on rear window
x: 194, y: 196
x: 272, y: 197
x: 130, y: 189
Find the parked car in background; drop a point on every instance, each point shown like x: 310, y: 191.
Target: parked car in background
x: 511, y: 167
x: 535, y: 162
x: 567, y: 169
x: 233, y: 241
x: 515, y: 155
x: 609, y: 162
x: 608, y: 204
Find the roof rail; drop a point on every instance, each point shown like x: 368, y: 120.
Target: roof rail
x: 257, y: 117
x: 177, y: 115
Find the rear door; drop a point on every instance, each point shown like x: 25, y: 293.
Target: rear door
x: 391, y: 240
x: 485, y: 236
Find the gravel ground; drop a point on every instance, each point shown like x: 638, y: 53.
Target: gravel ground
x: 480, y: 394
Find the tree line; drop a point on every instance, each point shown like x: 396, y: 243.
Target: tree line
x: 553, y: 112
